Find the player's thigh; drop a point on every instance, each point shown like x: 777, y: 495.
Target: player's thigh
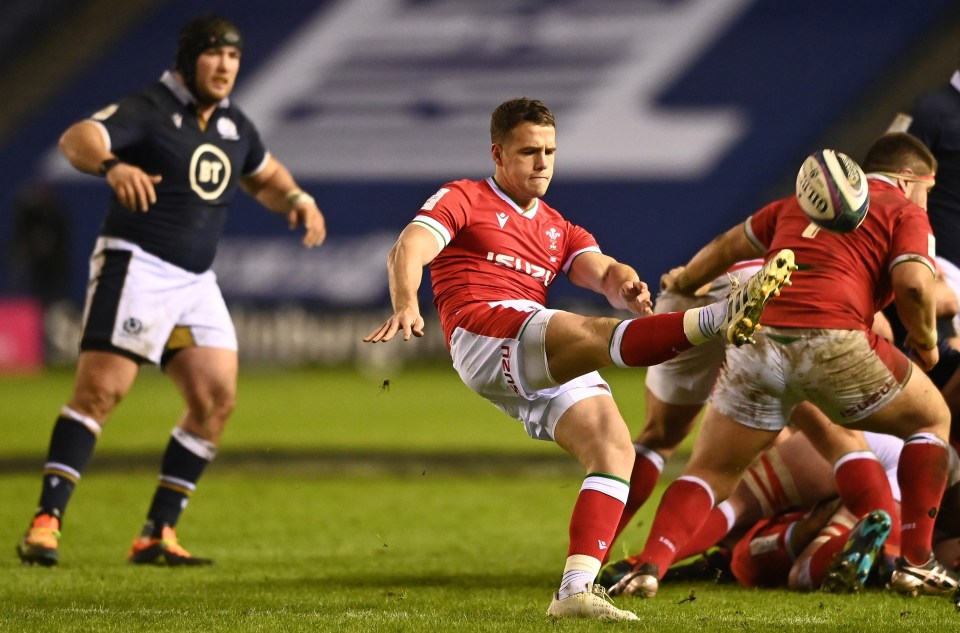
x: 577, y: 344
x: 918, y: 408
x: 830, y: 440
x: 724, y: 449
x: 667, y: 424
x: 593, y: 431
x: 206, y: 376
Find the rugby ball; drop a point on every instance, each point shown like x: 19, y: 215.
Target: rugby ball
x: 832, y: 191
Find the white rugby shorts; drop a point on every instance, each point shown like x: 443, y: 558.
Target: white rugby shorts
x: 689, y: 377
x: 847, y: 374
x: 499, y: 352
x: 145, y: 308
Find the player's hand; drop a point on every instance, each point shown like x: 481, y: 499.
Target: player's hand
x: 134, y: 188
x: 636, y: 297
x: 409, y: 322
x: 311, y: 218
x: 922, y: 354
x: 668, y: 280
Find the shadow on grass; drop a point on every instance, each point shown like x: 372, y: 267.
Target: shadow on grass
x: 319, y: 462
x: 387, y: 581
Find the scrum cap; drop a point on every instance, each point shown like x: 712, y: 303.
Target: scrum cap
x: 199, y: 34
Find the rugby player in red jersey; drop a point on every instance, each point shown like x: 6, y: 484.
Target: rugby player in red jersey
x: 494, y: 247
x: 817, y: 345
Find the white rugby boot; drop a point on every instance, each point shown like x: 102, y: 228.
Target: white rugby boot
x: 593, y: 603
x: 746, y: 301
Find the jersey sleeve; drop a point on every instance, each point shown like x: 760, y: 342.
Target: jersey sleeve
x: 761, y: 225
x: 581, y: 241
x: 444, y: 213
x: 913, y: 239
x: 257, y: 155
x: 124, y: 123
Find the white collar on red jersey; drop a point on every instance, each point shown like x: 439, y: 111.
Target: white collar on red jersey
x: 887, y: 179
x: 527, y: 213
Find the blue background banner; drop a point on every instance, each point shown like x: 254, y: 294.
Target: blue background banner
x: 675, y: 119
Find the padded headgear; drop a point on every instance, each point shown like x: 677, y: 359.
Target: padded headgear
x: 196, y: 36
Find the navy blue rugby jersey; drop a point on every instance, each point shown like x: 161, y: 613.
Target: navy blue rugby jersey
x: 936, y: 122
x: 157, y: 130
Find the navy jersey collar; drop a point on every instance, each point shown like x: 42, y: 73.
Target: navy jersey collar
x: 180, y: 91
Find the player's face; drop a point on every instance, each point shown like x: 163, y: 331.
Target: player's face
x: 217, y: 72
x: 524, y: 163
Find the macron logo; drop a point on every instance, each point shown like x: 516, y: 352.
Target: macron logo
x: 602, y: 544
x: 502, y: 218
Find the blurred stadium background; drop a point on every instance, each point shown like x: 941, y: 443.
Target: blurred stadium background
x: 675, y: 119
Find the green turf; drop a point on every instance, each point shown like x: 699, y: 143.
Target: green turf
x: 416, y: 553
x: 424, y: 411
x: 303, y: 547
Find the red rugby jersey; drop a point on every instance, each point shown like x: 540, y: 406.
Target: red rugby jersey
x: 494, y: 250
x: 843, y: 279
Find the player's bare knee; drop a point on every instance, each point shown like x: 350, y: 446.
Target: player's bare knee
x: 214, y: 407
x: 936, y: 421
x: 96, y: 400
x: 616, y: 454
x: 603, y: 452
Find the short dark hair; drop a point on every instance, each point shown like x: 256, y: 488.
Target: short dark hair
x: 897, y: 151
x: 512, y: 113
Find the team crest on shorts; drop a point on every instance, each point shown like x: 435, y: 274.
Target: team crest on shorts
x: 133, y: 326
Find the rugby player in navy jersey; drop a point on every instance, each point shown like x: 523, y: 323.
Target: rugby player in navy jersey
x: 174, y: 155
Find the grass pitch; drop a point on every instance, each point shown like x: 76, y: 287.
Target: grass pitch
x: 335, y: 506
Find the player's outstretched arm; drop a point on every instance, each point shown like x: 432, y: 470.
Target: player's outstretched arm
x: 415, y: 248
x: 616, y: 281
x: 85, y: 146
x: 711, y: 261
x: 274, y: 187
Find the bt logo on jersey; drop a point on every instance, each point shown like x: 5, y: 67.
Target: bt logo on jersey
x: 209, y: 171
x: 518, y: 264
